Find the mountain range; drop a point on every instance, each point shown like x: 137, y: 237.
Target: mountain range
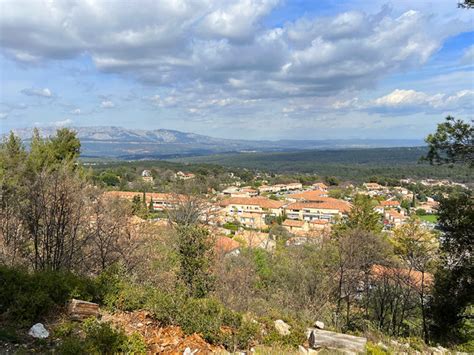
x: 132, y: 144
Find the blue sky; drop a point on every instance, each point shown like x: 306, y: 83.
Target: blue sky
x: 256, y: 69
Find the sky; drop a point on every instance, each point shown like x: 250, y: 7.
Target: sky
x: 248, y: 69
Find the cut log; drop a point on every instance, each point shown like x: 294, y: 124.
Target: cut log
x: 325, y: 339
x: 80, y: 310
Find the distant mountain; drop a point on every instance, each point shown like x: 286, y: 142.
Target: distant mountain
x: 131, y: 144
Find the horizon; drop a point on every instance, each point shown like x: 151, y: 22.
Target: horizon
x: 238, y: 69
x: 74, y: 128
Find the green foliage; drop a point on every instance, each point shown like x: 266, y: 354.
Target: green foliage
x: 95, y: 337
x: 452, y: 143
x: 195, y: 250
x: 206, y: 317
x: 296, y: 337
x: 362, y: 216
x: 452, y: 292
x: 166, y: 307
x: 374, y: 349
x: 27, y: 297
x: 231, y: 226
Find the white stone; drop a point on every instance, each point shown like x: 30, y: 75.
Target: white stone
x: 318, y: 324
x: 281, y: 327
x: 38, y: 331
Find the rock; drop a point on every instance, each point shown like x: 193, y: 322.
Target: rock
x: 318, y: 324
x: 188, y: 351
x: 281, y: 327
x: 303, y: 350
x: 80, y: 310
x: 382, y: 346
x: 38, y: 331
x: 325, y: 339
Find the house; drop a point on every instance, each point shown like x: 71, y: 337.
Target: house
x: 184, y: 176
x: 146, y: 176
x: 319, y: 224
x: 295, y: 226
x: 294, y: 186
x: 239, y: 205
x: 320, y: 186
x: 313, y: 195
x: 226, y: 246
x: 269, y: 189
x: 372, y: 186
x: 326, y: 208
x: 390, y: 204
x: 159, y: 201
x: 409, y: 277
x: 394, y: 218
x: 234, y: 191
x: 253, y: 220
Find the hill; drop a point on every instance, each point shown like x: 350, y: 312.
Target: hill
x: 351, y: 164
x: 133, y: 144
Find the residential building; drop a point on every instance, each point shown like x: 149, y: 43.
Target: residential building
x: 146, y: 176
x: 184, y: 176
x: 326, y: 208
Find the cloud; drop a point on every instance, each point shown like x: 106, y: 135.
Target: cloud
x: 46, y: 93
x: 107, y: 104
x: 3, y: 115
x: 62, y: 123
x: 468, y: 56
x: 76, y: 111
x: 222, y: 45
x: 402, y: 101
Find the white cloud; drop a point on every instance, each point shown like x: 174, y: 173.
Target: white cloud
x: 76, y: 111
x: 222, y: 44
x: 3, y: 115
x: 62, y: 123
x: 107, y: 104
x: 402, y: 101
x: 38, y: 92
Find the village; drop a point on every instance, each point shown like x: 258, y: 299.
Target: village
x: 254, y: 216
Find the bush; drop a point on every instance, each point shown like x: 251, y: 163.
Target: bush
x: 102, y: 338
x: 165, y: 307
x: 203, y: 316
x: 94, y: 337
x: 26, y: 297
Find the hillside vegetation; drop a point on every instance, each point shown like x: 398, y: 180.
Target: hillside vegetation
x: 348, y: 164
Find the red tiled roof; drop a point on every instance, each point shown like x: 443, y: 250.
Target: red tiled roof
x: 411, y: 277
x: 292, y: 223
x: 319, y: 221
x: 323, y: 203
x: 156, y: 196
x: 226, y: 245
x: 252, y: 201
x: 314, y: 195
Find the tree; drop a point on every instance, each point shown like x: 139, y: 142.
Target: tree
x: 354, y: 264
x: 195, y: 250
x: 417, y: 247
x: 452, y: 143
x: 362, y: 216
x: 452, y: 294
x: 12, y: 166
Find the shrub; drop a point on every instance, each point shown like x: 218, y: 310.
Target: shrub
x: 95, y: 337
x: 203, y: 316
x: 102, y: 338
x: 26, y: 297
x: 165, y: 307
x: 374, y: 349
